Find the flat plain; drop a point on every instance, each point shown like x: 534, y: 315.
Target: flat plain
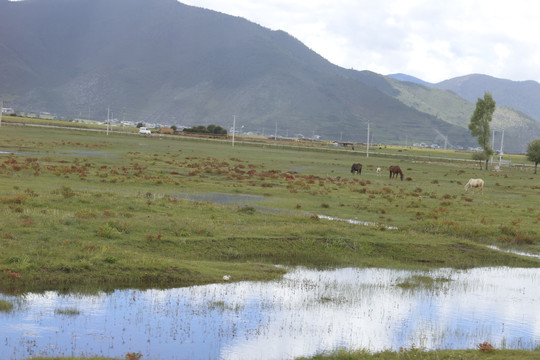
x: 86, y: 211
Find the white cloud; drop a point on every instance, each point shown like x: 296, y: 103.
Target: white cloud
x: 433, y: 40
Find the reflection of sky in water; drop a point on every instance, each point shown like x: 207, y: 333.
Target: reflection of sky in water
x: 307, y: 312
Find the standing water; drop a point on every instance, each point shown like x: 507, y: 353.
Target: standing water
x: 305, y: 313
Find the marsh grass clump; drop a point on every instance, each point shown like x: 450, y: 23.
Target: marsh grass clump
x: 66, y: 192
x: 5, y: 305
x: 518, y: 238
x: 422, y: 281
x: 223, y: 306
x: 250, y: 210
x: 133, y: 356
x: 485, y: 347
x: 108, y: 232
x: 70, y: 311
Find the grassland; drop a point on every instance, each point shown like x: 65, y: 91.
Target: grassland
x: 418, y: 354
x: 404, y: 354
x: 82, y: 210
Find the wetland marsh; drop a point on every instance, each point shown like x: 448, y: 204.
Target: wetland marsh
x: 85, y: 213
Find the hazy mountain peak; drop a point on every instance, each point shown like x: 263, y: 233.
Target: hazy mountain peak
x: 409, y: 78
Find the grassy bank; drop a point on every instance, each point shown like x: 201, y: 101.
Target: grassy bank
x: 405, y: 354
x: 82, y: 210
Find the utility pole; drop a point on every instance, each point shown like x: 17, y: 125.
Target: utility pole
x: 108, y: 109
x: 367, y: 147
x: 275, y: 135
x: 445, y: 143
x: 1, y: 110
x: 492, y: 143
x: 233, y: 129
x: 501, y: 151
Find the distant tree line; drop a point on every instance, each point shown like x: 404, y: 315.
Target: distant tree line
x: 210, y: 129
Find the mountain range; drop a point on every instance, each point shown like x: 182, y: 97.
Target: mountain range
x: 161, y: 61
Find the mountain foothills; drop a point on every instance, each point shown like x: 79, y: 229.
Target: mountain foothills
x: 160, y: 61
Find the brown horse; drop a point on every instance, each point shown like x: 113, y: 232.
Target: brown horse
x: 394, y: 171
x: 357, y: 168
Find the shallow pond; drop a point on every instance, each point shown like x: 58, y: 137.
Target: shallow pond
x: 305, y: 313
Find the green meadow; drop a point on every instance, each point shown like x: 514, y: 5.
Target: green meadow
x: 86, y: 211
x: 405, y: 354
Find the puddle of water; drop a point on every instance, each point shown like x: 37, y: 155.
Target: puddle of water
x: 305, y: 313
x: 357, y: 222
x: 245, y: 199
x: 223, y: 198
x: 537, y: 256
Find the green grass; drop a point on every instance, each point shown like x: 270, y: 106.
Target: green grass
x: 422, y: 281
x: 404, y: 354
x: 407, y: 354
x: 85, y: 211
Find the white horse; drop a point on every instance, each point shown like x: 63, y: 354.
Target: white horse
x: 475, y: 183
x: 378, y: 171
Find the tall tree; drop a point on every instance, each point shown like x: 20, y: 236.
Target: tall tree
x: 479, y: 125
x: 533, y: 152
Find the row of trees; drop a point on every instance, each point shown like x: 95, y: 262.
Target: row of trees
x: 479, y: 127
x: 210, y: 129
x: 201, y: 129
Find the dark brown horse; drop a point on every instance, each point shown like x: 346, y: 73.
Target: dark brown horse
x: 357, y: 168
x: 394, y: 171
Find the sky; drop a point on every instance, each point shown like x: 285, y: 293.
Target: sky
x: 433, y: 40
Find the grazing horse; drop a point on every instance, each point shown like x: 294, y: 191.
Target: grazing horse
x: 475, y: 183
x: 378, y: 171
x: 357, y: 168
x: 394, y: 171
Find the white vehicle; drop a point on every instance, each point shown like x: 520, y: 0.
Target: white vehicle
x: 144, y: 131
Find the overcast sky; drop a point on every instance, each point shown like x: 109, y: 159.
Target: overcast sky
x: 430, y: 39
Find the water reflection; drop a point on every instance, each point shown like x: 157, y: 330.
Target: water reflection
x: 305, y: 313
